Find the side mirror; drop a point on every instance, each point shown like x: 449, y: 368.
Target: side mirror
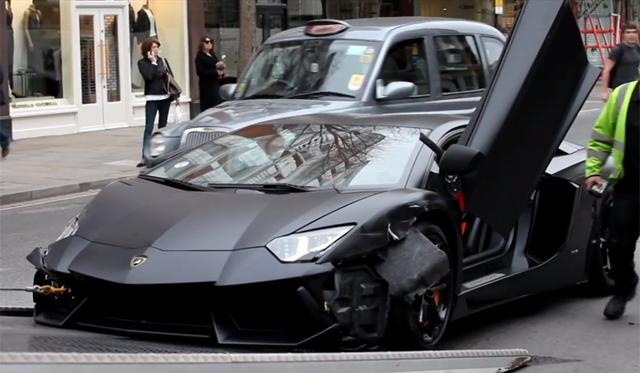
x: 227, y: 90
x: 394, y: 90
x: 460, y: 160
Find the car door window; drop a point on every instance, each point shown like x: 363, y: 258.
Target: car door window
x: 406, y: 61
x: 493, y: 48
x: 460, y: 65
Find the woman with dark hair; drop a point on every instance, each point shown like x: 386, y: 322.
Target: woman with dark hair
x: 155, y: 72
x: 209, y: 70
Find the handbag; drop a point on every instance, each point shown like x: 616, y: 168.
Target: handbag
x: 170, y: 85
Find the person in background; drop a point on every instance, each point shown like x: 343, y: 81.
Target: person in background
x: 504, y: 31
x: 622, y: 65
x: 209, y: 70
x: 617, y: 132
x: 154, y: 70
x: 5, y: 139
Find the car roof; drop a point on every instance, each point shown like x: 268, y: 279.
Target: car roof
x: 414, y: 120
x: 378, y: 29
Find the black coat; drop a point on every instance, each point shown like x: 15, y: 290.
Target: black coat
x: 155, y: 76
x: 208, y: 82
x: 3, y: 100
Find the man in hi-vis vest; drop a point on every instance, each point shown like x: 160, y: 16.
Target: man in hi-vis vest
x: 617, y: 134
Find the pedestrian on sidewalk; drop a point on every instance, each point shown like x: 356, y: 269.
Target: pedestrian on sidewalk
x: 154, y: 70
x: 617, y: 132
x: 5, y: 139
x: 622, y: 65
x: 210, y: 70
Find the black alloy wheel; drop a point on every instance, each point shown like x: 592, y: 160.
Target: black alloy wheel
x: 421, y: 325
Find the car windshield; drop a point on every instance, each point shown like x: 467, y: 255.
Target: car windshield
x: 301, y: 155
x: 306, y: 66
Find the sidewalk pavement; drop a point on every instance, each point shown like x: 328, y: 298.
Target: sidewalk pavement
x: 59, y: 165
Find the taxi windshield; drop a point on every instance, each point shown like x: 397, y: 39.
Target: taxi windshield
x: 328, y: 67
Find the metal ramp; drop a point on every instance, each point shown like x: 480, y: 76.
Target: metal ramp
x: 29, y: 348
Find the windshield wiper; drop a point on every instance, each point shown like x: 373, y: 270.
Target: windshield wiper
x: 276, y: 187
x: 263, y: 95
x: 320, y: 94
x: 174, y: 183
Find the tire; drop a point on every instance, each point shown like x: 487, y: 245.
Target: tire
x: 405, y: 329
x: 600, y: 284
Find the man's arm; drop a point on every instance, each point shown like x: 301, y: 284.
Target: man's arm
x: 601, y: 141
x: 609, y: 64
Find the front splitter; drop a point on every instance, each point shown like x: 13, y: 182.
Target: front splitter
x: 29, y: 348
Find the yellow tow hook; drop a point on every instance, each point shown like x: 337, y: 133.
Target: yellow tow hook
x: 46, y: 290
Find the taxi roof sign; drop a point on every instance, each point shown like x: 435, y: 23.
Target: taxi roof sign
x: 324, y: 27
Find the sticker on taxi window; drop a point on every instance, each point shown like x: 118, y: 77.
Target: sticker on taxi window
x: 356, y: 50
x: 365, y: 58
x: 355, y: 82
x: 240, y: 88
x: 369, y: 50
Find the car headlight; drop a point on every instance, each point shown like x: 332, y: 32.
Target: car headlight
x: 157, y: 145
x: 70, y: 229
x: 307, y: 245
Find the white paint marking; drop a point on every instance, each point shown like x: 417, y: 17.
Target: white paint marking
x: 589, y: 110
x: 126, y: 162
x: 50, y: 200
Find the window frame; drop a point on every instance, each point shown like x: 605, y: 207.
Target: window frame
x: 482, y: 56
x: 382, y: 54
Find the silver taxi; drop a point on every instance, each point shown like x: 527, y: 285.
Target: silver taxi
x: 369, y: 66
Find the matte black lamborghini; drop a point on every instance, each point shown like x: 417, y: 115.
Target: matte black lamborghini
x: 348, y: 231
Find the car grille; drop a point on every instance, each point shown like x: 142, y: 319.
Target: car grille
x: 197, y: 138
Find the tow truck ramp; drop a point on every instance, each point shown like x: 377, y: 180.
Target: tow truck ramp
x: 29, y: 348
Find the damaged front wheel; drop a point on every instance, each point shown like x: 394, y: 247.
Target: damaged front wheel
x: 421, y: 324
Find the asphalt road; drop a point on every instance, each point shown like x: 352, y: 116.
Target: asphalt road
x: 560, y: 328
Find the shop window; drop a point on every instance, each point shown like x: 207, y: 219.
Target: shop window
x: 222, y: 24
x: 302, y: 11
x: 165, y: 21
x: 407, y: 62
x: 352, y: 9
x: 38, y: 49
x: 460, y: 65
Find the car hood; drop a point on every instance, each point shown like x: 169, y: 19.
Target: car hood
x: 138, y: 214
x: 235, y: 114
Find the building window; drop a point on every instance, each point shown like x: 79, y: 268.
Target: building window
x: 460, y: 65
x: 165, y: 21
x: 222, y: 24
x: 302, y: 11
x: 39, y: 50
x: 351, y: 9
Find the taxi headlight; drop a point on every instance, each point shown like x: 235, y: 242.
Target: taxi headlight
x: 157, y: 145
x: 306, y: 246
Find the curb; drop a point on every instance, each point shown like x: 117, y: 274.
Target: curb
x: 57, y: 191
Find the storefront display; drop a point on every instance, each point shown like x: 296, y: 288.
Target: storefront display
x: 163, y: 20
x: 34, y: 53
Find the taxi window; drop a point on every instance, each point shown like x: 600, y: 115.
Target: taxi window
x: 406, y: 61
x: 460, y: 66
x: 301, y: 66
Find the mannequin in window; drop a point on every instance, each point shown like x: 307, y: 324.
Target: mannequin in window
x: 133, y: 28
x: 10, y: 42
x: 31, y: 24
x: 146, y: 26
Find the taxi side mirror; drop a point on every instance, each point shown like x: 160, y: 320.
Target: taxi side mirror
x: 227, y: 90
x: 394, y: 90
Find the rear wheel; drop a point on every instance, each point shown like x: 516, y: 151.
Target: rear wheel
x: 421, y: 324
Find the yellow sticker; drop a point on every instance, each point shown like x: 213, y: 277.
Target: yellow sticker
x: 240, y: 88
x: 365, y: 58
x: 355, y: 82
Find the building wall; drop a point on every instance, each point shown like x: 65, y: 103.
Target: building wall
x: 81, y: 74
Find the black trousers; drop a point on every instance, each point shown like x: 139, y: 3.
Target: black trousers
x: 623, y: 233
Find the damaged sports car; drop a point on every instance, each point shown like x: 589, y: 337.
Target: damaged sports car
x: 349, y: 231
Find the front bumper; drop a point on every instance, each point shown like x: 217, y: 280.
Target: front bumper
x: 254, y: 304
